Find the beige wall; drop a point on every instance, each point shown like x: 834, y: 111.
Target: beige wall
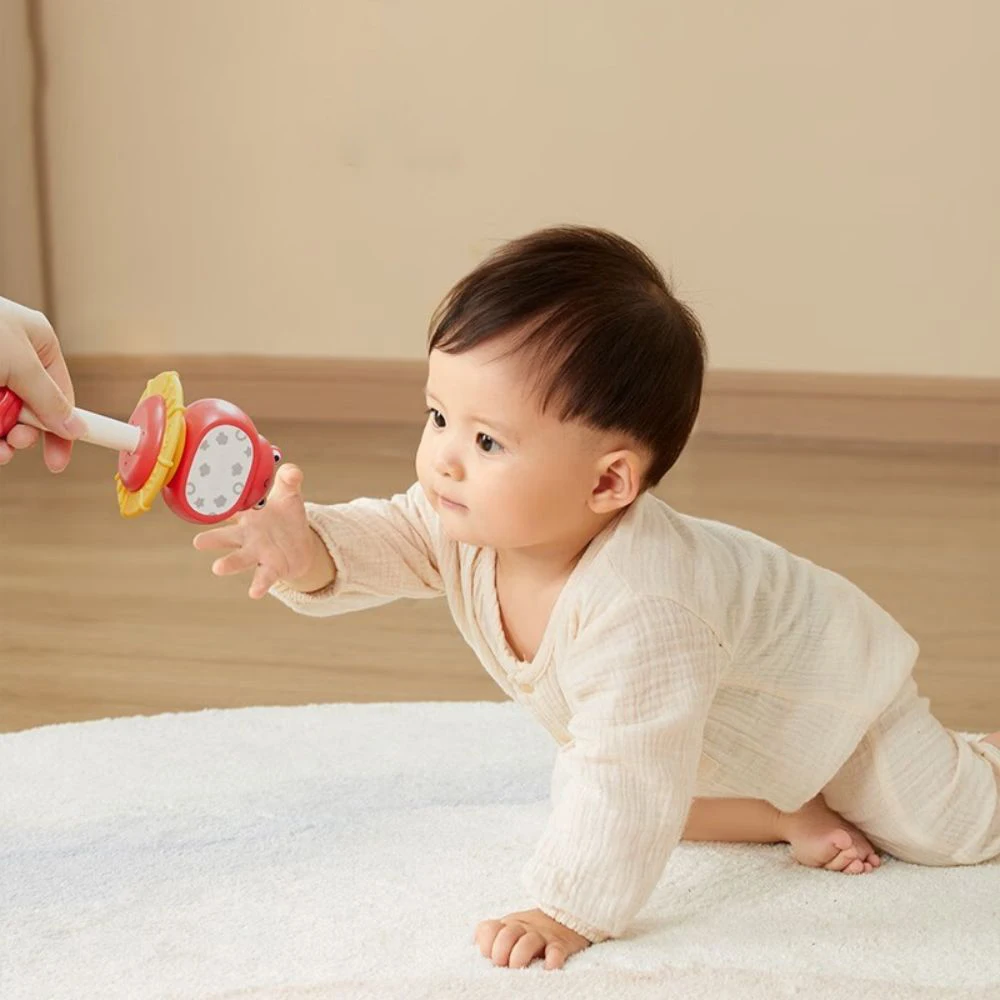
x: 20, y: 233
x: 309, y: 177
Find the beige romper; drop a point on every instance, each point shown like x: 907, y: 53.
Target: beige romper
x: 683, y: 658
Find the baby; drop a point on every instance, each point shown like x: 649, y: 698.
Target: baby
x: 702, y: 682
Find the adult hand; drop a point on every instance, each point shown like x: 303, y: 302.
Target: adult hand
x: 32, y: 365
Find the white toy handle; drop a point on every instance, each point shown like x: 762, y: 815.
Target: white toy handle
x: 104, y: 431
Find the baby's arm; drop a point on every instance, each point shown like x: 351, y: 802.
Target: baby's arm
x: 321, y: 572
x: 324, y: 560
x: 640, y: 688
x: 639, y: 681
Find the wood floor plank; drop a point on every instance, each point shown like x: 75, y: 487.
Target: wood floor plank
x: 104, y: 617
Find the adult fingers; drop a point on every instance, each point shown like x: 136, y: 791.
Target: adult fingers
x: 22, y: 436
x: 56, y: 452
x: 33, y: 376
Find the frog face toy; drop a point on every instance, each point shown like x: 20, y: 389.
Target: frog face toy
x: 225, y: 467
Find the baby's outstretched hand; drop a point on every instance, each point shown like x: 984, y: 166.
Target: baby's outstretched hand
x: 519, y: 938
x: 275, y: 541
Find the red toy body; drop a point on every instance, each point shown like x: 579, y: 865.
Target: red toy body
x: 225, y: 467
x: 10, y: 410
x: 135, y: 467
x: 208, y: 459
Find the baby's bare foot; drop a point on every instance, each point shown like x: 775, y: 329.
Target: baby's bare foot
x: 820, y: 838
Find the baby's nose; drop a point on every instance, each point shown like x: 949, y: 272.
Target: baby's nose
x: 447, y: 464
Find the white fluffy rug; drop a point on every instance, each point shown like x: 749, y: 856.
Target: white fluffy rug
x: 348, y: 851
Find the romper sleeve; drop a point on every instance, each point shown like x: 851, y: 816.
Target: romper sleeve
x: 382, y: 549
x: 639, y: 682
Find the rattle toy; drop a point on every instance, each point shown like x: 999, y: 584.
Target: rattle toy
x: 207, y: 459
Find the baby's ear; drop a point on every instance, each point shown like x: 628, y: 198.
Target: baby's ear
x: 619, y: 482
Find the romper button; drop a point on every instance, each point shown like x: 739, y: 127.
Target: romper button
x: 527, y: 688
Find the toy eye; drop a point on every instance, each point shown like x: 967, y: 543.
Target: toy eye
x: 260, y: 503
x: 277, y: 456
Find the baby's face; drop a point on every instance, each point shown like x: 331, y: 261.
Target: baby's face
x: 499, y: 472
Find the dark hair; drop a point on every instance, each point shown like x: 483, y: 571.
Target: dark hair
x: 608, y: 342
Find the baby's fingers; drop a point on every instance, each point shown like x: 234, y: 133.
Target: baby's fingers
x: 486, y: 933
x: 555, y: 955
x: 263, y: 579
x: 230, y: 537
x: 505, y: 941
x: 526, y: 949
x: 235, y: 562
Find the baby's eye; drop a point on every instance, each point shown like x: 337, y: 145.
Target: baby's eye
x: 437, y: 417
x: 489, y: 445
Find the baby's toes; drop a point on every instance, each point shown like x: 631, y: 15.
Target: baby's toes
x: 843, y: 860
x: 865, y: 847
x: 842, y: 840
x: 856, y: 867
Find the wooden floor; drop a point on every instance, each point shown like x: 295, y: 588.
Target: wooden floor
x: 104, y: 617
